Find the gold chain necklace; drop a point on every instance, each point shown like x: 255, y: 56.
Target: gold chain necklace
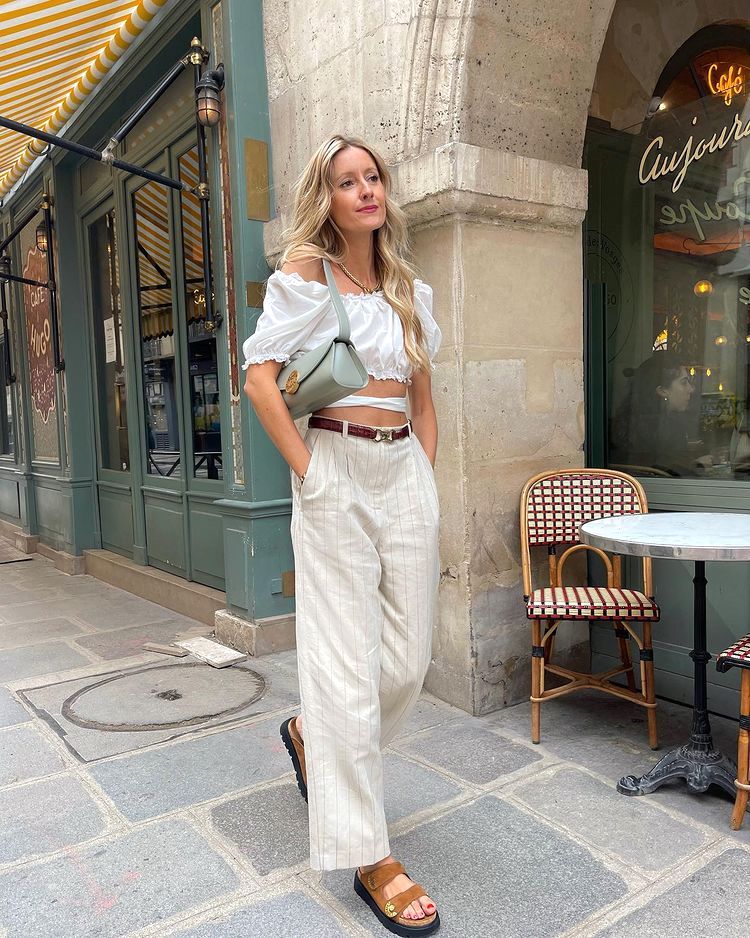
x: 359, y: 283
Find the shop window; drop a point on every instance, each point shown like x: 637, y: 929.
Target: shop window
x: 7, y: 442
x: 201, y: 342
x: 668, y: 242
x: 155, y: 307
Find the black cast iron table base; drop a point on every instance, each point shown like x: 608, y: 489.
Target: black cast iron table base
x: 697, y: 762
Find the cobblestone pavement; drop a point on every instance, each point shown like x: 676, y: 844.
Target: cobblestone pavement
x: 141, y: 795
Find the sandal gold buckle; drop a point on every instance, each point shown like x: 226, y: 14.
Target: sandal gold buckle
x: 390, y: 909
x: 371, y: 881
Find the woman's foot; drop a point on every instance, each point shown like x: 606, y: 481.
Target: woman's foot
x: 296, y: 748
x: 298, y: 724
x: 418, y: 909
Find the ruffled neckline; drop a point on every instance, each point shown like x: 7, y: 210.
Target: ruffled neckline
x: 315, y: 283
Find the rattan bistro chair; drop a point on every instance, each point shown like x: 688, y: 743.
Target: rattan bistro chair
x: 738, y: 656
x: 553, y: 506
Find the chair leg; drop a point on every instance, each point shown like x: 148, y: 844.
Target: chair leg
x: 536, y: 682
x: 743, y: 756
x: 625, y: 657
x: 649, y: 686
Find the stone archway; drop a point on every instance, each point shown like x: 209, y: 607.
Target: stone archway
x: 481, y: 107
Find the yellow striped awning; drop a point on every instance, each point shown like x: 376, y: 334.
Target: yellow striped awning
x: 54, y: 53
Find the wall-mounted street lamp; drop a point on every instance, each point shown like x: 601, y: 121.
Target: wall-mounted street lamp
x: 42, y: 241
x: 208, y: 96
x: 4, y: 269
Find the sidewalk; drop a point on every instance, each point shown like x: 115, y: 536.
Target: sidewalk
x: 144, y: 795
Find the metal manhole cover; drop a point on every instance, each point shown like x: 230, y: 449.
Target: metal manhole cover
x: 163, y: 697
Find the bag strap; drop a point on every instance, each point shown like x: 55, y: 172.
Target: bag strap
x: 344, y: 325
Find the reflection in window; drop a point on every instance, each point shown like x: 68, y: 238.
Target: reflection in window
x: 7, y: 442
x: 154, y: 251
x: 673, y: 249
x: 202, y: 367
x: 110, y: 358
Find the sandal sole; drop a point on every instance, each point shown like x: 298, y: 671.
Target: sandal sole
x: 287, y: 740
x: 404, y: 930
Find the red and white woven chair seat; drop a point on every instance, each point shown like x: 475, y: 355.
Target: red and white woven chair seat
x: 736, y: 656
x: 590, y: 602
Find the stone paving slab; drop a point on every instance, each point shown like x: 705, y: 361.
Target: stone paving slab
x: 635, y: 831
x: 712, y: 903
x: 470, y: 751
x: 25, y: 754
x: 495, y: 873
x: 10, y: 594
x: 44, y: 817
x: 270, y: 826
x: 293, y: 915
x: 35, y: 660
x: 35, y: 610
x: 713, y: 808
x: 106, y: 614
x: 145, y: 785
x: 26, y: 633
x: 90, y: 744
x: 123, y: 643
x: 11, y: 711
x: 114, y: 888
x: 429, y: 711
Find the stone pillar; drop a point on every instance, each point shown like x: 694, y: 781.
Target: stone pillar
x: 498, y: 235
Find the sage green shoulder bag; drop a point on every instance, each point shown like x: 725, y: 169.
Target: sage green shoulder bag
x: 327, y: 373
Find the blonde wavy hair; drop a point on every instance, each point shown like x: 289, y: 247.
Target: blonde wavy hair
x: 313, y: 233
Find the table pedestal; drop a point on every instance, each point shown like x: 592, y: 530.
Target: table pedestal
x: 697, y: 762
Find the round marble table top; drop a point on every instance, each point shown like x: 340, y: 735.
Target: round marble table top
x: 681, y: 535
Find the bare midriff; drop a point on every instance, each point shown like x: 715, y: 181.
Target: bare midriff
x: 372, y: 416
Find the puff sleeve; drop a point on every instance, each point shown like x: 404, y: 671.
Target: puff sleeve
x: 423, y: 305
x: 292, y: 310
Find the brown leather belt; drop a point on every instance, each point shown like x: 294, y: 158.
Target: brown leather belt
x: 378, y: 434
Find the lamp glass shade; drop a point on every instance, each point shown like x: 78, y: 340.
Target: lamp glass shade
x: 41, y: 237
x: 208, y: 104
x: 703, y: 288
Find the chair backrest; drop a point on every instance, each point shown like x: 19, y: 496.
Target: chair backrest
x: 554, y: 505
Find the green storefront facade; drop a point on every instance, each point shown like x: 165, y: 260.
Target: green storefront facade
x: 142, y: 443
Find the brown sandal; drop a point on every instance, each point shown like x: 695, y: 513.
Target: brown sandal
x: 388, y: 911
x: 296, y: 749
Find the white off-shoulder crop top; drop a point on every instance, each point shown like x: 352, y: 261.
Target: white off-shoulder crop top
x: 298, y: 316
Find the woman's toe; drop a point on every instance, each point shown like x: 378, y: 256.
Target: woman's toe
x: 428, y: 906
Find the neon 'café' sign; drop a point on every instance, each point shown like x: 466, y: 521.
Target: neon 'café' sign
x: 727, y: 83
x: 656, y: 164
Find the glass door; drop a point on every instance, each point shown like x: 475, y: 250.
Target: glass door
x: 179, y: 382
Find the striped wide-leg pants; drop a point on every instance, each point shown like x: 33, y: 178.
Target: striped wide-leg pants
x: 365, y: 538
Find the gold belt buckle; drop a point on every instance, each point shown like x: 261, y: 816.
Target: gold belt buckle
x: 381, y: 434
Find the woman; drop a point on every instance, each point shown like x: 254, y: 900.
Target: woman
x: 650, y: 428
x: 364, y: 511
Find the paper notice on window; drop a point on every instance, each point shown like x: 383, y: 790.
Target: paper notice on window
x: 110, y: 344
